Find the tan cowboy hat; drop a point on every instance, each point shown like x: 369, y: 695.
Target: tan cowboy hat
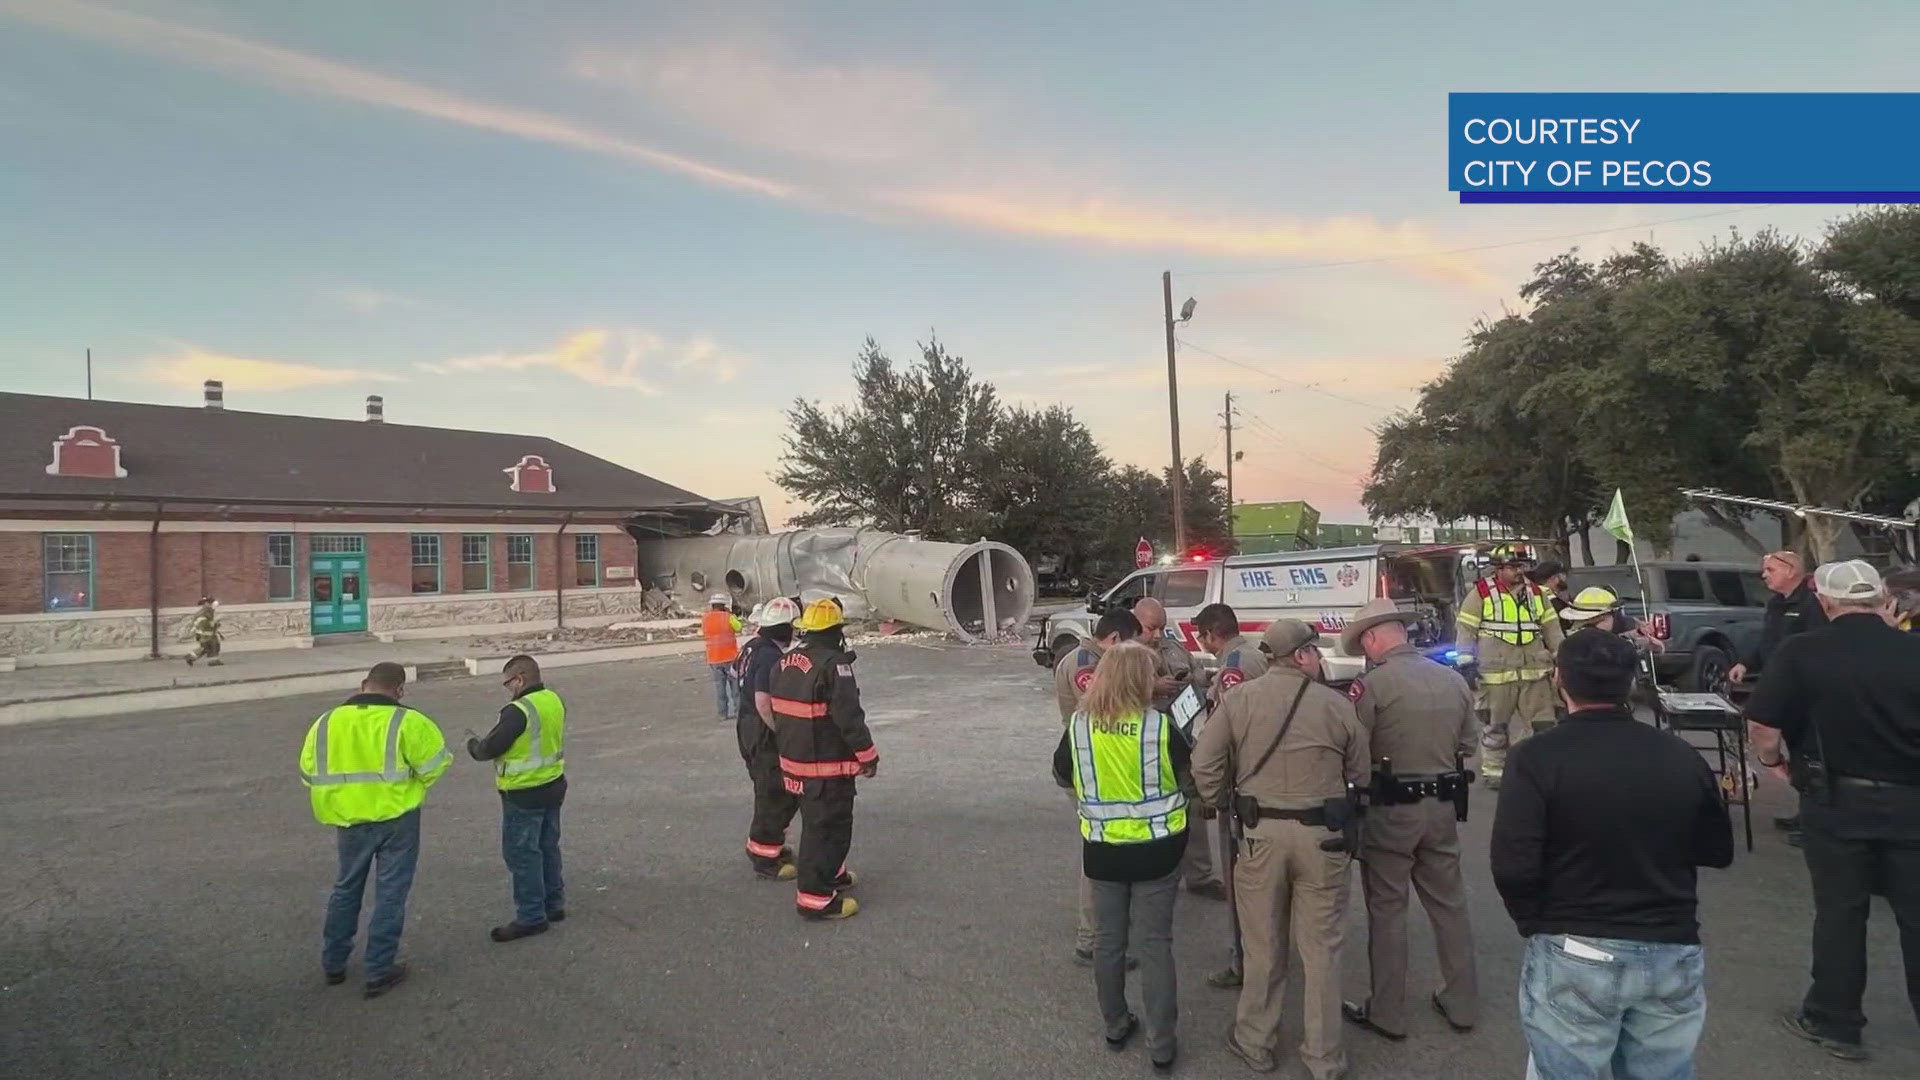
x: 1370, y: 616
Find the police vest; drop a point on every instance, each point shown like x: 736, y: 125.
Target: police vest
x: 537, y: 756
x: 1509, y: 619
x: 364, y: 763
x: 1123, y: 778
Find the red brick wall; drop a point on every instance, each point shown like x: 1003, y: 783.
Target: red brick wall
x: 389, y: 564
x: 120, y: 570
x: 22, y: 588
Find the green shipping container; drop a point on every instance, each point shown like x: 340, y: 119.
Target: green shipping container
x: 1295, y: 519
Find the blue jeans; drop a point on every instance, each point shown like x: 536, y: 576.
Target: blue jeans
x: 726, y: 691
x: 1638, y: 1013
x: 530, y: 842
x: 395, y: 847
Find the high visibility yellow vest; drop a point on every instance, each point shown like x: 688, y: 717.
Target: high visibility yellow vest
x: 1123, y: 778
x: 365, y: 763
x: 537, y: 756
x: 1507, y: 618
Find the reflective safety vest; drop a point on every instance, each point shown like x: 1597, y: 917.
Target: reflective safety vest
x: 538, y: 755
x: 1508, y: 618
x: 718, y: 627
x: 373, y: 762
x: 1123, y: 778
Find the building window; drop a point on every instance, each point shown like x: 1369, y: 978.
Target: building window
x: 586, y: 560
x: 519, y: 562
x: 328, y: 544
x: 476, y: 564
x: 280, y: 566
x: 69, y: 566
x: 426, y: 563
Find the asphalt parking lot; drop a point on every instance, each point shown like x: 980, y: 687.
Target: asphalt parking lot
x: 160, y: 910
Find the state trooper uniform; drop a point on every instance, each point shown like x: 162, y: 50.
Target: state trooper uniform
x: 1291, y: 746
x: 1420, y: 725
x: 1511, y: 635
x: 1240, y: 661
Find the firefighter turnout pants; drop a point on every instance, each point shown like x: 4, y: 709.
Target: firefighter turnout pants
x: 773, y: 810
x: 826, y: 835
x: 1513, y: 708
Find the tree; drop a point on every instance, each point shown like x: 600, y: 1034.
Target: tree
x: 907, y: 456
x: 1046, y: 486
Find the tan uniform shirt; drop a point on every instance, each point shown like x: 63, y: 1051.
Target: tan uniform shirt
x: 1072, y: 675
x: 1171, y: 659
x: 1324, y: 749
x: 1240, y: 661
x: 1417, y: 713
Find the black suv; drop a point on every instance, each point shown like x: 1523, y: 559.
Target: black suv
x: 1708, y: 614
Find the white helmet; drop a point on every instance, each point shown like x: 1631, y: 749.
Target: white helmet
x: 754, y: 615
x: 719, y: 599
x: 778, y: 611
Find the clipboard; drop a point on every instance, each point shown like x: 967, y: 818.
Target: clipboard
x: 1189, y: 711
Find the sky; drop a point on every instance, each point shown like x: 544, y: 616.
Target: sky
x: 645, y: 229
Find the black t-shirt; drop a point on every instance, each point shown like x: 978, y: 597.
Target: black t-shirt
x: 1787, y: 616
x: 757, y: 661
x: 1857, y: 680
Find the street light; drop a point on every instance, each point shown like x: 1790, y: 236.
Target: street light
x: 1173, y: 412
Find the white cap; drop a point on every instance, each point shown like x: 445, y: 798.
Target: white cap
x: 1852, y: 580
x: 719, y: 599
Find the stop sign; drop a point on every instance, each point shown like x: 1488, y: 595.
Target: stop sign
x: 1142, y: 554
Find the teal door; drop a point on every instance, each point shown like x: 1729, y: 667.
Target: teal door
x: 339, y: 594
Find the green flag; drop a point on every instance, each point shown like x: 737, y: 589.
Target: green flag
x: 1616, y: 520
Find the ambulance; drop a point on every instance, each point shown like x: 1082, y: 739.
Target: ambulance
x: 1323, y: 588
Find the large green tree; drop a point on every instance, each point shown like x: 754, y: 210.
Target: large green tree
x: 1046, y: 486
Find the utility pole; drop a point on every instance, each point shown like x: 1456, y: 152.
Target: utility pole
x: 1173, y: 413
x: 89, y: 374
x: 1227, y: 415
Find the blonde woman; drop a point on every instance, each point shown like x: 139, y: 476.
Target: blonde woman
x: 1127, y: 765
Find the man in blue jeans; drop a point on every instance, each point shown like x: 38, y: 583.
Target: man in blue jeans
x: 527, y: 746
x: 367, y: 765
x: 1601, y: 824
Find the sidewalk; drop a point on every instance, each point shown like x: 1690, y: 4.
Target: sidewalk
x: 67, y: 692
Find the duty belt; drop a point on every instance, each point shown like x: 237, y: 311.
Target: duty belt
x: 1316, y: 816
x: 1399, y: 790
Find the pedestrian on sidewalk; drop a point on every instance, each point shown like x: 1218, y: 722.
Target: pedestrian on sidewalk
x: 1845, y: 702
x: 205, y: 629
x: 1601, y: 825
x: 528, y: 748
x: 367, y: 765
x: 1127, y: 764
x: 721, y: 628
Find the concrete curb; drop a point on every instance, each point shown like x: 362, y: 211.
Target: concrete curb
x: 82, y: 706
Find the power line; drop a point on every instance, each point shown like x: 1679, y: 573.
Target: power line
x: 1309, y: 387
x: 1476, y: 247
x: 1261, y: 426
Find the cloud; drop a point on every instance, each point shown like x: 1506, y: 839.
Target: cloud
x: 298, y: 71
x: 614, y: 359
x: 1120, y: 225
x: 752, y: 94
x: 369, y: 301
x: 192, y: 365
x: 845, y: 115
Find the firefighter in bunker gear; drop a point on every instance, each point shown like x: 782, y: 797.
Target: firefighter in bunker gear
x: 773, y: 805
x: 1508, y: 630
x: 823, y: 743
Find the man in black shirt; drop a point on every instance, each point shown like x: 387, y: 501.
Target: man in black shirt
x: 1792, y: 609
x: 1845, y: 700
x: 1601, y: 823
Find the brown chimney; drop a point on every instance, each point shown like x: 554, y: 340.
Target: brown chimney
x: 376, y: 409
x: 216, y: 394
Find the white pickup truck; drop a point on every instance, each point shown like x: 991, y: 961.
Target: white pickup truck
x: 1322, y: 588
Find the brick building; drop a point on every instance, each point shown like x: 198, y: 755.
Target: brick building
x: 116, y: 518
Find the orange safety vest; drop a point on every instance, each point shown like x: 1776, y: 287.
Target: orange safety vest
x: 722, y: 647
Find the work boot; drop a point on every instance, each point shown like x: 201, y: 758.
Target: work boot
x: 514, y: 931
x: 1796, y: 1022
x: 395, y: 975
x: 1356, y: 1013
x: 1212, y: 890
x: 1260, y: 1061
x: 784, y: 871
x: 847, y: 880
x: 335, y: 978
x: 557, y: 915
x: 216, y: 662
x: 1225, y: 979
x: 842, y: 907
x: 190, y: 659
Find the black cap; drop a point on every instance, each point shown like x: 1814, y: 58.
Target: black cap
x: 1597, y: 667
